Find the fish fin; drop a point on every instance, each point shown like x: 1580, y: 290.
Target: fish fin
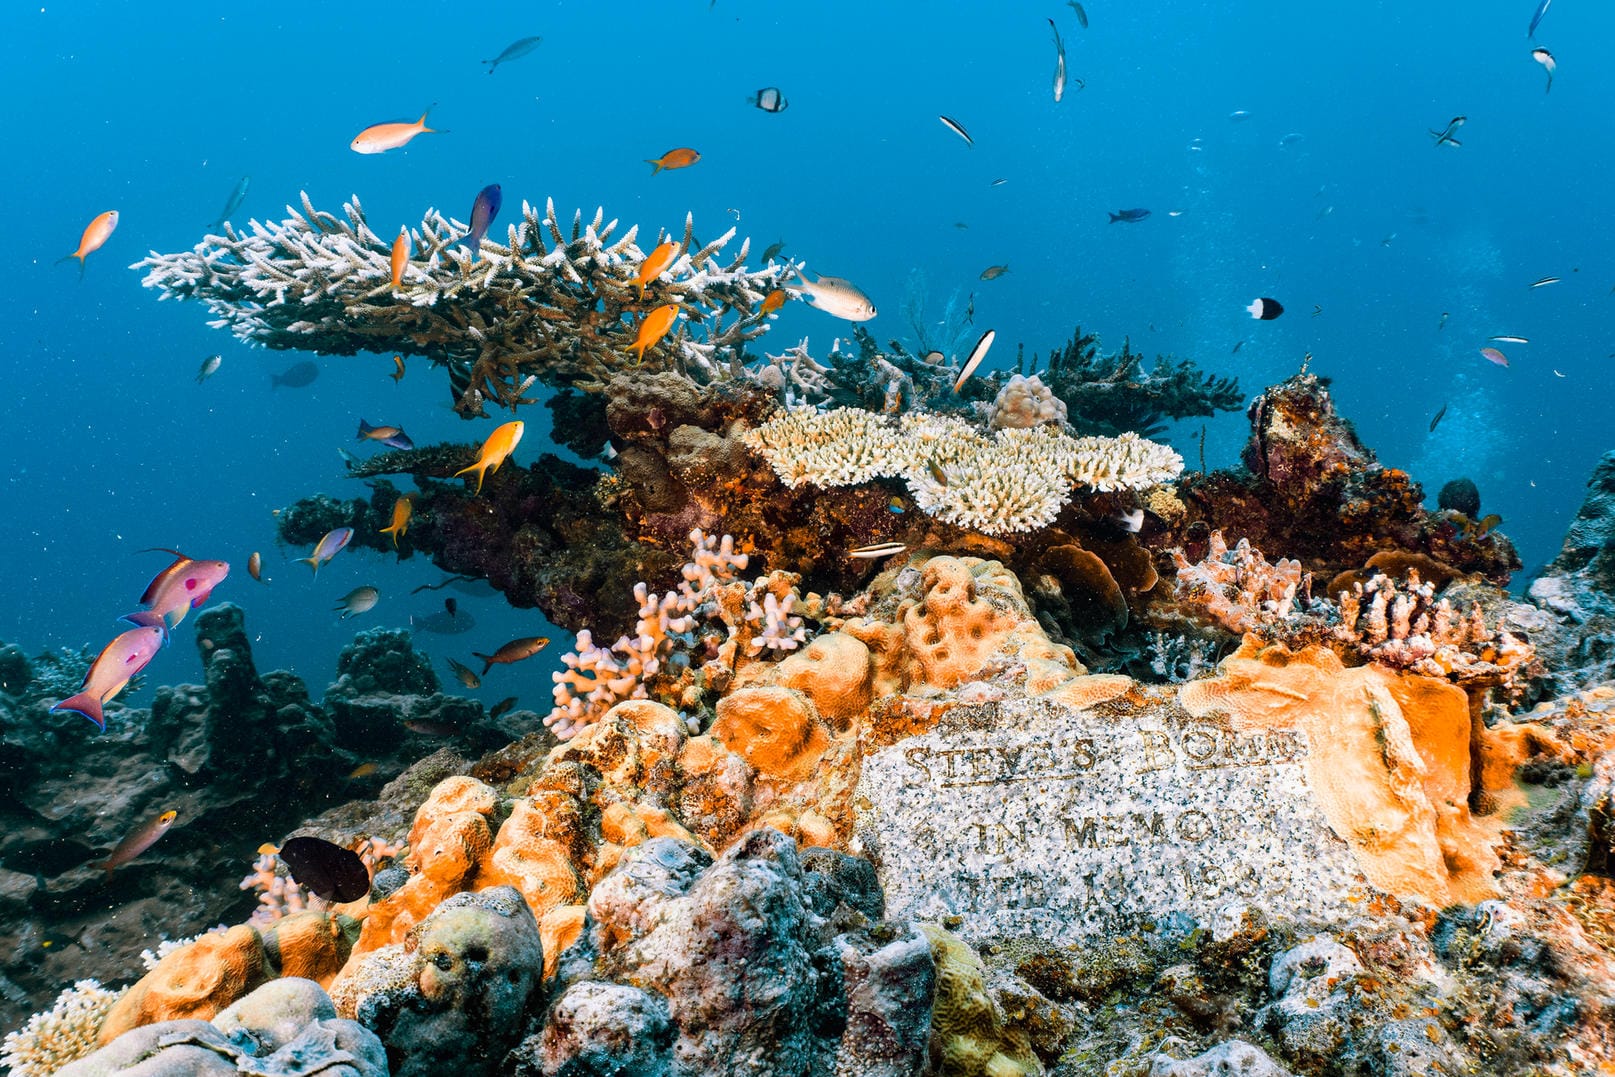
x: 163, y: 549
x: 656, y: 166
x: 311, y: 562
x: 85, y: 703
x: 1114, y: 217
x: 487, y: 662
x: 145, y: 619
x: 274, y: 382
x: 364, y: 428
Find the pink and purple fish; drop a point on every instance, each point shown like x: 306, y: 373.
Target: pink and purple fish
x: 181, y: 587
x: 483, y: 211
x: 112, y: 669
x: 328, y: 547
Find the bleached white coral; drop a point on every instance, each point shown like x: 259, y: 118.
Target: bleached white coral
x: 1017, y: 480
x: 1403, y: 626
x: 778, y: 629
x: 1239, y: 588
x: 1025, y: 402
x: 64, y: 1033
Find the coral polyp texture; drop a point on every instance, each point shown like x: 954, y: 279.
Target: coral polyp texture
x: 557, y: 301
x: 1014, y: 481
x: 67, y: 1031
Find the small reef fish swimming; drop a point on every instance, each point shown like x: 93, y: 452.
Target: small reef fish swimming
x: 328, y: 547
x: 773, y: 301
x: 499, y: 445
x: 957, y: 128
x: 1131, y: 521
x: 514, y: 51
x: 96, y: 233
x: 210, y: 367
x: 357, y: 601
x: 400, y: 257
x: 877, y: 551
x: 994, y: 272
x: 652, y: 328
x: 381, y: 137
x: 1437, y: 420
x: 398, y: 368
x: 428, y: 728
x: 1444, y: 137
x: 1492, y: 355
x: 465, y: 675
x: 451, y: 606
x: 183, y: 586
x: 772, y: 251
x: 327, y: 869
x: 933, y: 357
x: 445, y: 624
x: 683, y: 157
x: 655, y: 264
x: 1238, y: 344
x: 483, y: 210
x: 391, y: 436
x: 837, y: 297
x: 770, y: 99
x: 1291, y: 139
x: 138, y: 841
x: 1508, y: 340
x: 363, y: 770
x: 1129, y: 215
x: 1265, y: 309
x: 255, y: 567
x: 403, y: 510
x: 1536, y: 17
x: 938, y: 475
x: 502, y: 708
x: 998, y: 183
x: 1082, y: 16
x: 977, y: 354
x: 1239, y: 115
x: 233, y: 203
x: 1545, y: 58
x: 1059, y: 63
x: 112, y: 669
x: 1545, y: 281
x: 514, y: 651
x: 296, y: 376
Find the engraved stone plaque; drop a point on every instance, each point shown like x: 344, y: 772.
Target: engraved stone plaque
x: 1030, y: 817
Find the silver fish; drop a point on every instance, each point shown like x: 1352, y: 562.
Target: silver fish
x: 514, y: 51
x: 210, y: 367
x: 977, y: 354
x: 357, y: 601
x: 1082, y: 16
x: 233, y: 203
x: 1059, y: 63
x: 957, y: 128
x: 770, y: 99
x: 1545, y: 58
x: 1510, y: 340
x: 837, y: 297
x: 877, y: 551
x: 1536, y: 17
x: 1130, y: 521
x: 1546, y: 280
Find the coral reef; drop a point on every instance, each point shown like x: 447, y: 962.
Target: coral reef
x: 1024, y: 402
x: 1577, y: 591
x: 69, y: 1030
x: 1114, y: 394
x: 551, y: 302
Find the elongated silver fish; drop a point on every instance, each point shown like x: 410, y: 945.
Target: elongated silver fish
x: 233, y: 203
x: 1509, y: 340
x: 977, y: 354
x: 836, y: 296
x: 514, y: 51
x: 957, y: 128
x: 1059, y: 63
x: 1545, y: 58
x: 1536, y: 17
x: 877, y: 551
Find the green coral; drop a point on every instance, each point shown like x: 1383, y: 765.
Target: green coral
x: 969, y: 1037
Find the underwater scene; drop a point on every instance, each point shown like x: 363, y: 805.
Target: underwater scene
x: 808, y: 540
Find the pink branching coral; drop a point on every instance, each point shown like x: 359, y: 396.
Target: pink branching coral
x: 1404, y: 627
x: 1239, y: 588
x: 279, y: 896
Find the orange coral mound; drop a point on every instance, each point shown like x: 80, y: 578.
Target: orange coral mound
x: 195, y: 981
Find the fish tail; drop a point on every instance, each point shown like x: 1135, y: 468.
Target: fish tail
x: 86, y: 703
x: 1114, y: 217
x: 480, y: 468
x: 487, y: 662
x: 364, y: 428
x: 655, y: 166
x: 311, y: 562
x: 274, y: 382
x: 145, y: 619
x: 393, y: 531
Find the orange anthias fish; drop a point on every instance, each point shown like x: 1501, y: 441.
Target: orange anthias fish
x: 381, y: 137
x: 654, y: 328
x: 514, y: 651
x: 138, y: 841
x: 655, y: 262
x: 400, y: 257
x: 98, y: 232
x: 398, y: 374
x: 683, y: 157
x: 112, y: 669
x: 403, y: 509
x: 500, y: 444
x: 773, y: 301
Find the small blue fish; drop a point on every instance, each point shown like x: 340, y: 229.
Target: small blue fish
x: 328, y: 547
x: 391, y: 436
x: 515, y: 50
x: 1129, y: 215
x: 483, y: 211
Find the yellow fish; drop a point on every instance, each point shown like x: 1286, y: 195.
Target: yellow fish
x: 95, y: 234
x: 403, y: 509
x: 772, y: 301
x: 683, y: 157
x: 400, y: 257
x: 500, y: 444
x: 653, y: 328
x: 381, y: 137
x: 653, y: 265
x: 397, y: 375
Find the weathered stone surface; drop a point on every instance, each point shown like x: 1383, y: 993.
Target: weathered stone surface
x: 1028, y: 817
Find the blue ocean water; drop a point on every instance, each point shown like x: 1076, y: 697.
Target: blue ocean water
x: 111, y: 446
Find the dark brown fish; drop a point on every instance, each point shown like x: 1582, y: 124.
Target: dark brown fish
x: 1438, y: 418
x: 295, y: 376
x: 432, y: 729
x: 994, y: 272
x: 503, y: 707
x: 255, y: 567
x: 445, y: 625
x: 138, y: 841
x: 332, y: 872
x: 465, y: 674
x: 514, y: 651
x: 452, y: 606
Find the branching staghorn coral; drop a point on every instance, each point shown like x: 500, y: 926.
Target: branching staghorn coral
x: 64, y: 1033
x: 550, y: 303
x: 1016, y: 480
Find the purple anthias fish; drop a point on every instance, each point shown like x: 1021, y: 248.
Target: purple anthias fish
x: 328, y: 547
x: 181, y: 587
x: 483, y: 211
x: 391, y: 436
x: 112, y: 669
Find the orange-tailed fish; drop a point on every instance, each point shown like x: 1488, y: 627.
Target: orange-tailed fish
x: 113, y: 667
x: 655, y: 263
x: 514, y: 651
x: 357, y: 601
x: 95, y: 234
x: 255, y: 567
x: 381, y: 137
x: 653, y: 328
x: 391, y: 436
x: 772, y: 301
x: 328, y: 547
x: 363, y: 770
x: 181, y: 587
x: 977, y: 354
x: 500, y: 444
x: 138, y: 841
x: 403, y: 509
x: 465, y: 675
x: 683, y: 157
x: 400, y: 257
x: 398, y: 371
